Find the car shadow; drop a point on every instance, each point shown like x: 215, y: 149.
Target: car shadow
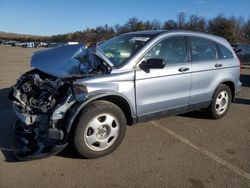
x: 69, y: 152
x: 245, y: 79
x: 7, y: 117
x: 197, y: 114
x: 242, y: 101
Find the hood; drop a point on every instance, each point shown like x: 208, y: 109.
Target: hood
x: 59, y: 62
x: 64, y: 61
x: 98, y: 52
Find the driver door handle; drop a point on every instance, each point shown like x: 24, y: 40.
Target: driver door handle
x: 218, y: 65
x: 183, y: 69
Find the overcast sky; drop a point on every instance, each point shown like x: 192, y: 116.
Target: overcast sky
x: 48, y: 17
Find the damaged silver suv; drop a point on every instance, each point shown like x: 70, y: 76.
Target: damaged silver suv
x: 87, y: 96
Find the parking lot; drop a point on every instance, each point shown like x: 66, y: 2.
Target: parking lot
x: 189, y: 150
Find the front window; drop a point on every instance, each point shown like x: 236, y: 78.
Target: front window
x: 119, y: 49
x: 173, y: 50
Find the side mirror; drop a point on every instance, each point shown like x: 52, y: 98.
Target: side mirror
x: 238, y: 50
x: 153, y: 63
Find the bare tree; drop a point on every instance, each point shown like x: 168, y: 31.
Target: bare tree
x: 148, y: 25
x: 247, y: 30
x: 132, y: 23
x: 156, y: 25
x: 118, y: 28
x: 196, y: 23
x: 222, y: 26
x: 181, y: 18
x: 238, y: 28
x: 170, y: 24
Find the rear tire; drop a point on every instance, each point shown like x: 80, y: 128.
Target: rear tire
x: 100, y: 130
x: 221, y: 102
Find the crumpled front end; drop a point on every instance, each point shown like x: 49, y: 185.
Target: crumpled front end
x: 41, y: 103
x: 43, y: 97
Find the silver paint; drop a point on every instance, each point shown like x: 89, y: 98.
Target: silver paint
x: 159, y: 89
x: 59, y: 62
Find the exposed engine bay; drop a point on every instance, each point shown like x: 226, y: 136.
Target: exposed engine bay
x: 40, y: 102
x: 36, y: 95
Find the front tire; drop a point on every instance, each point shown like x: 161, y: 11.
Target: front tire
x: 221, y: 102
x: 100, y: 130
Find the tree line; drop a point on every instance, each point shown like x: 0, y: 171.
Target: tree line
x: 234, y: 29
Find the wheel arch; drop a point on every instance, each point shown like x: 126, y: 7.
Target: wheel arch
x: 123, y: 104
x: 231, y: 85
x: 114, y: 98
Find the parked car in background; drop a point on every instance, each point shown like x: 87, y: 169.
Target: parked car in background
x: 10, y: 42
x: 42, y: 44
x: 243, y: 52
x: 71, y: 43
x: 89, y: 95
x: 25, y: 44
x: 15, y: 43
x: 54, y: 44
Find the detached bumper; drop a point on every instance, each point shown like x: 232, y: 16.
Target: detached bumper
x: 25, y: 156
x: 34, y: 145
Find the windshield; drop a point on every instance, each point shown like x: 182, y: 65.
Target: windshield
x: 119, y: 49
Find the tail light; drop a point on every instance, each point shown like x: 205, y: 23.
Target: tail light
x: 239, y: 64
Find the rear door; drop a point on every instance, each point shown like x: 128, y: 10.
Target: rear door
x: 204, y: 69
x: 159, y: 90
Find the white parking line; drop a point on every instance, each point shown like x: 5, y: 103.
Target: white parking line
x: 211, y: 155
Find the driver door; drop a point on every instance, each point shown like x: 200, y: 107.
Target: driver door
x: 165, y: 90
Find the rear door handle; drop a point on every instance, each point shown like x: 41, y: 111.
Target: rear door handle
x: 183, y: 69
x: 218, y: 65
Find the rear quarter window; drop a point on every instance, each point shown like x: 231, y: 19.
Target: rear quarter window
x: 224, y: 53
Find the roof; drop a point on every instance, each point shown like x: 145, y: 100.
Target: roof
x: 154, y: 33
x: 146, y: 32
x: 157, y: 32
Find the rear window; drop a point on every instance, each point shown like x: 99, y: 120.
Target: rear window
x: 202, y: 49
x: 224, y: 53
